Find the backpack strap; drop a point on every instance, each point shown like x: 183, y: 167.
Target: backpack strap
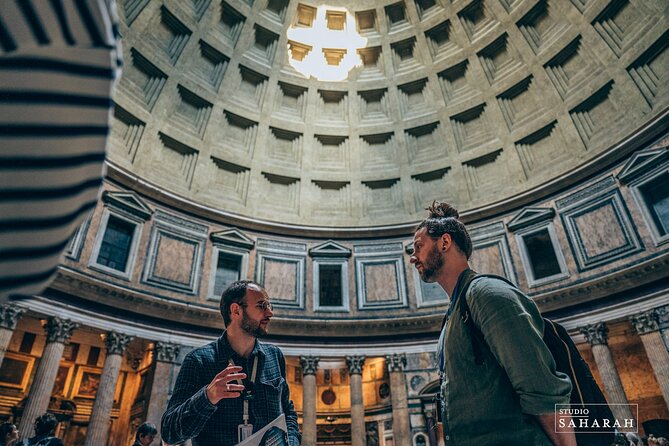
x: 466, y: 315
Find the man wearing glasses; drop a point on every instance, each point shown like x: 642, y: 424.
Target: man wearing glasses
x: 235, y: 385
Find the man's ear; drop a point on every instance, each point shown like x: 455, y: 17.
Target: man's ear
x: 446, y: 241
x: 235, y: 309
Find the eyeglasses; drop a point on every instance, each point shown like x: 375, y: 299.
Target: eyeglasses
x: 263, y: 305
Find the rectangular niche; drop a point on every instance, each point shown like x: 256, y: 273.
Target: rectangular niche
x: 232, y: 181
x: 231, y: 24
x: 471, y: 128
x: 291, y: 100
x: 396, y: 15
x: 192, y: 112
x: 334, y: 56
x: 541, y: 26
x: 621, y: 25
x: 332, y: 198
x: 280, y: 193
x: 264, y: 45
x: 252, y: 87
x: 429, y: 186
x: 381, y: 282
x: 476, y: 19
x: 601, y: 231
x: 305, y: 16
x: 211, y: 65
x: 382, y: 197
x: 518, y: 104
x: 366, y: 21
x: 374, y: 107
x: 379, y: 151
x: 425, y: 143
x: 455, y: 84
x: 649, y: 71
x: 331, y: 153
x: 175, y: 254
x: 170, y: 34
x: 426, y: 7
x: 491, y: 253
x: 275, y: 10
x: 372, y: 63
x: 539, y: 150
x: 404, y: 54
x: 283, y: 278
x: 570, y: 68
x: 510, y: 5
x: 133, y: 8
x: 483, y: 173
x: 439, y: 41
x: 414, y: 99
x: 332, y: 106
x: 126, y: 133
x: 177, y: 161
x: 285, y: 147
x: 595, y: 116
x: 142, y: 79
x: 335, y: 20
x: 239, y: 134
x: 298, y: 51
x: 200, y: 7
x: 498, y: 60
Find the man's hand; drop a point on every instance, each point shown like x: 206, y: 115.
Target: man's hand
x: 220, y: 387
x: 565, y: 436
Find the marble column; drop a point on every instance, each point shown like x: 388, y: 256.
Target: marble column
x: 9, y: 316
x: 358, y: 431
x: 597, y: 337
x: 647, y: 326
x: 398, y: 395
x: 58, y: 331
x: 98, y: 427
x: 309, y: 366
x: 164, y: 357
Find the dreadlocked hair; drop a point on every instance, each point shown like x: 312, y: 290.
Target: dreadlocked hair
x: 444, y: 219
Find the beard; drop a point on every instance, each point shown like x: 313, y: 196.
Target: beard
x: 252, y: 327
x: 432, y: 265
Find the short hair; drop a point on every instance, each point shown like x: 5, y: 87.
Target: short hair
x: 444, y: 219
x: 6, y: 428
x: 145, y: 429
x: 234, y: 294
x: 45, y: 424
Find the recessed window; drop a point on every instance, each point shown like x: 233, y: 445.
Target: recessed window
x: 27, y: 343
x: 539, y: 248
x: 93, y: 356
x: 115, y: 247
x: 655, y: 194
x: 228, y: 270
x: 330, y: 292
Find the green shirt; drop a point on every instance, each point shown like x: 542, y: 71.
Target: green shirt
x: 495, y: 403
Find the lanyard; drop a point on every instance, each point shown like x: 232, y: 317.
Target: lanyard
x: 245, y: 416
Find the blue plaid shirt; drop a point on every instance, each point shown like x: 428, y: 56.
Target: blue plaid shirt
x: 189, y: 413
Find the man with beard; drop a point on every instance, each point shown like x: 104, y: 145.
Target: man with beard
x: 235, y: 383
x: 499, y: 382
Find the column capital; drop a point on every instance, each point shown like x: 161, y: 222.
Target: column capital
x: 9, y: 316
x: 116, y: 342
x: 355, y: 364
x: 59, y: 330
x: 596, y: 334
x: 396, y: 362
x: 645, y: 322
x: 309, y: 364
x: 166, y: 352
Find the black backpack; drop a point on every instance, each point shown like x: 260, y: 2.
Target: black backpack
x: 568, y: 360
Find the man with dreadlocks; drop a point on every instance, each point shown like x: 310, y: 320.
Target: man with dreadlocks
x: 499, y: 383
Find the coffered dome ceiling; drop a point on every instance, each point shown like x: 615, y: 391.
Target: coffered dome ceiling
x: 227, y: 105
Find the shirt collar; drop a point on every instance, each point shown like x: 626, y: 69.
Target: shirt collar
x: 227, y: 350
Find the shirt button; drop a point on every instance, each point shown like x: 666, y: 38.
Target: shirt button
x: 447, y: 437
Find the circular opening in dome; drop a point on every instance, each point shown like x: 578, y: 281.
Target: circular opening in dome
x: 323, y: 43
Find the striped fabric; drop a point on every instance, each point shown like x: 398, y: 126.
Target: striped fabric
x: 58, y: 62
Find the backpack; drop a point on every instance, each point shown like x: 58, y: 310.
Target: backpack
x: 568, y: 360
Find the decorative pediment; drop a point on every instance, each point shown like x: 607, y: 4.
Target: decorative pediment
x: 642, y: 162
x: 233, y: 237
x: 530, y: 216
x: 128, y: 202
x: 330, y: 249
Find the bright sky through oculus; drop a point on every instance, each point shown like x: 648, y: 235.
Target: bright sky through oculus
x: 326, y: 54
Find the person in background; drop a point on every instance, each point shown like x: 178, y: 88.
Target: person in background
x: 146, y: 432
x: 9, y: 434
x: 45, y: 427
